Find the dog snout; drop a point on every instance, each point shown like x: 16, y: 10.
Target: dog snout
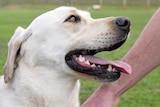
x: 123, y: 23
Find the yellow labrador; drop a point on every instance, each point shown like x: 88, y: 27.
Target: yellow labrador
x: 46, y: 59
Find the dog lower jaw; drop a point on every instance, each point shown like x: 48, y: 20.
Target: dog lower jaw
x: 108, y: 72
x: 102, y: 73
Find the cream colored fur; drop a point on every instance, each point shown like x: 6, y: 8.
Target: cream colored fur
x: 35, y: 73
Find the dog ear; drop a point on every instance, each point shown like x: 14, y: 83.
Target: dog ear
x: 14, y: 46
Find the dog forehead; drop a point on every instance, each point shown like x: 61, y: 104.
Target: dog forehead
x: 64, y: 11
x: 58, y: 15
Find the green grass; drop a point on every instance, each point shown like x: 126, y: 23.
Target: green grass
x: 145, y: 94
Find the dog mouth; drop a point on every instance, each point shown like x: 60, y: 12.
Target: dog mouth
x: 84, y: 61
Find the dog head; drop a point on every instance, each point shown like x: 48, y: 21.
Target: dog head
x: 65, y: 39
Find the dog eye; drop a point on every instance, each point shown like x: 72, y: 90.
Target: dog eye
x: 73, y: 19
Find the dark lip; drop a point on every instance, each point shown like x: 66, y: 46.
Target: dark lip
x: 100, y: 74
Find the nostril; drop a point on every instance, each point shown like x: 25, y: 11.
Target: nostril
x: 123, y: 23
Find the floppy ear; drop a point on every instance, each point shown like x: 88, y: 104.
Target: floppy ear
x: 14, y: 46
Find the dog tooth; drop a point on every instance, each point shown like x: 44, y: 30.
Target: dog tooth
x: 81, y: 58
x: 109, y: 68
x: 93, y: 65
x: 76, y: 58
x: 87, y: 62
x: 99, y: 66
x: 113, y: 69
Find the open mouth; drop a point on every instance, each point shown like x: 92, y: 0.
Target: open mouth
x: 84, y: 61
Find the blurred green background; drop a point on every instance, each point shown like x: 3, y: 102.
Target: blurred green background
x: 146, y: 93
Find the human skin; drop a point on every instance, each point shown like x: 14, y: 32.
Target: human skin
x: 143, y: 57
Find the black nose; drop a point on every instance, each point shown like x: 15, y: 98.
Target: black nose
x: 123, y: 23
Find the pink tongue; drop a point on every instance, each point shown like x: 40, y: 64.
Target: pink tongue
x: 124, y: 67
